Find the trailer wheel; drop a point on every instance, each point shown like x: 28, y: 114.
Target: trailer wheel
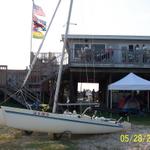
x: 57, y: 136
x: 67, y: 135
x: 27, y: 133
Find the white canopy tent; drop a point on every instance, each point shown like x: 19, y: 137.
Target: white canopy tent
x: 130, y: 82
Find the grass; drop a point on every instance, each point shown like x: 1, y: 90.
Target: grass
x: 140, y: 119
x: 9, y: 136
x: 10, y: 143
x: 51, y: 145
x: 6, y: 137
x: 137, y: 119
x: 44, y: 144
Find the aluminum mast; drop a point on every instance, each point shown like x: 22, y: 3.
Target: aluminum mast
x: 62, y: 59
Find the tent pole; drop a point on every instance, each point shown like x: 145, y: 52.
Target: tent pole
x: 111, y: 99
x: 148, y: 100
x: 109, y: 93
x: 107, y: 98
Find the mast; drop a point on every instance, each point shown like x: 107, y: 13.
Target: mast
x: 62, y: 58
x: 35, y: 57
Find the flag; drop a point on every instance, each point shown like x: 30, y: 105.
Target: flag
x: 34, y: 18
x: 38, y: 24
x: 42, y: 22
x: 37, y: 10
x: 37, y: 35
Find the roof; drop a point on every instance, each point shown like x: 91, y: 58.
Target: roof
x: 130, y: 82
x: 108, y: 37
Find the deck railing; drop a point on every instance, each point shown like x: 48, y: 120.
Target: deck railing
x: 111, y: 56
x: 46, y: 67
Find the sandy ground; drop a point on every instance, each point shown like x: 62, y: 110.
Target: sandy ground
x: 12, y: 139
x: 113, y: 141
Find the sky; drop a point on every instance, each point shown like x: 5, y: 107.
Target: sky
x: 100, y: 17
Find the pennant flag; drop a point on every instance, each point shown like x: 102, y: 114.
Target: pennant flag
x: 42, y: 22
x: 38, y: 25
x: 37, y: 35
x: 38, y: 10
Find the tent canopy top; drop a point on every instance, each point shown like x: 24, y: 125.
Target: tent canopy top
x: 130, y: 82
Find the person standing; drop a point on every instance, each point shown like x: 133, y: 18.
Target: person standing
x: 93, y: 95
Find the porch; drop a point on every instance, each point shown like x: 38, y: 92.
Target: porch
x: 110, y: 58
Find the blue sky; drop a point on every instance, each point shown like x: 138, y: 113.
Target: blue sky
x: 102, y: 17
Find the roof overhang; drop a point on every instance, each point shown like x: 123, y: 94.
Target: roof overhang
x: 107, y: 37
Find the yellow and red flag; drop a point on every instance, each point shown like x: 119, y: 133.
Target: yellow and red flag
x: 37, y: 35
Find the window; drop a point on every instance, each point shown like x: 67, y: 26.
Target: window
x: 131, y: 48
x: 78, y: 49
x: 98, y: 48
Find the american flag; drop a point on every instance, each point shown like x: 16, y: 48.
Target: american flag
x: 38, y: 10
x: 35, y: 18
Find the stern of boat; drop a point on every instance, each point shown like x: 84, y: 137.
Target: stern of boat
x: 126, y: 126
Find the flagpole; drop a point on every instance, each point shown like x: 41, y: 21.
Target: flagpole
x: 35, y: 57
x: 31, y: 30
x: 62, y: 59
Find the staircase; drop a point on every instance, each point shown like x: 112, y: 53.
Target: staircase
x: 48, y: 68
x: 52, y: 72
x: 48, y: 71
x: 13, y: 95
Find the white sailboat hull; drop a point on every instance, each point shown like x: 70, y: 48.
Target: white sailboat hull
x: 57, y: 123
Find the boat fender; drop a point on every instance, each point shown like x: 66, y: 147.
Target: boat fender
x: 67, y: 112
x: 74, y: 112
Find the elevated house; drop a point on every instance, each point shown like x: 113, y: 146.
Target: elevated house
x: 100, y: 59
x: 104, y: 59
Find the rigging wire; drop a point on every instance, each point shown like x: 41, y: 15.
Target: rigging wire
x: 93, y: 62
x: 5, y: 100
x: 86, y: 70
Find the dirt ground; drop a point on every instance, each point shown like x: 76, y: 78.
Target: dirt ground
x: 130, y: 141
x: 136, y: 139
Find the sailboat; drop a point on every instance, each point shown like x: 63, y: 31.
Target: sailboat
x: 39, y: 121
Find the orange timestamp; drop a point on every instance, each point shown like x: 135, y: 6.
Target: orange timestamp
x: 136, y: 138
